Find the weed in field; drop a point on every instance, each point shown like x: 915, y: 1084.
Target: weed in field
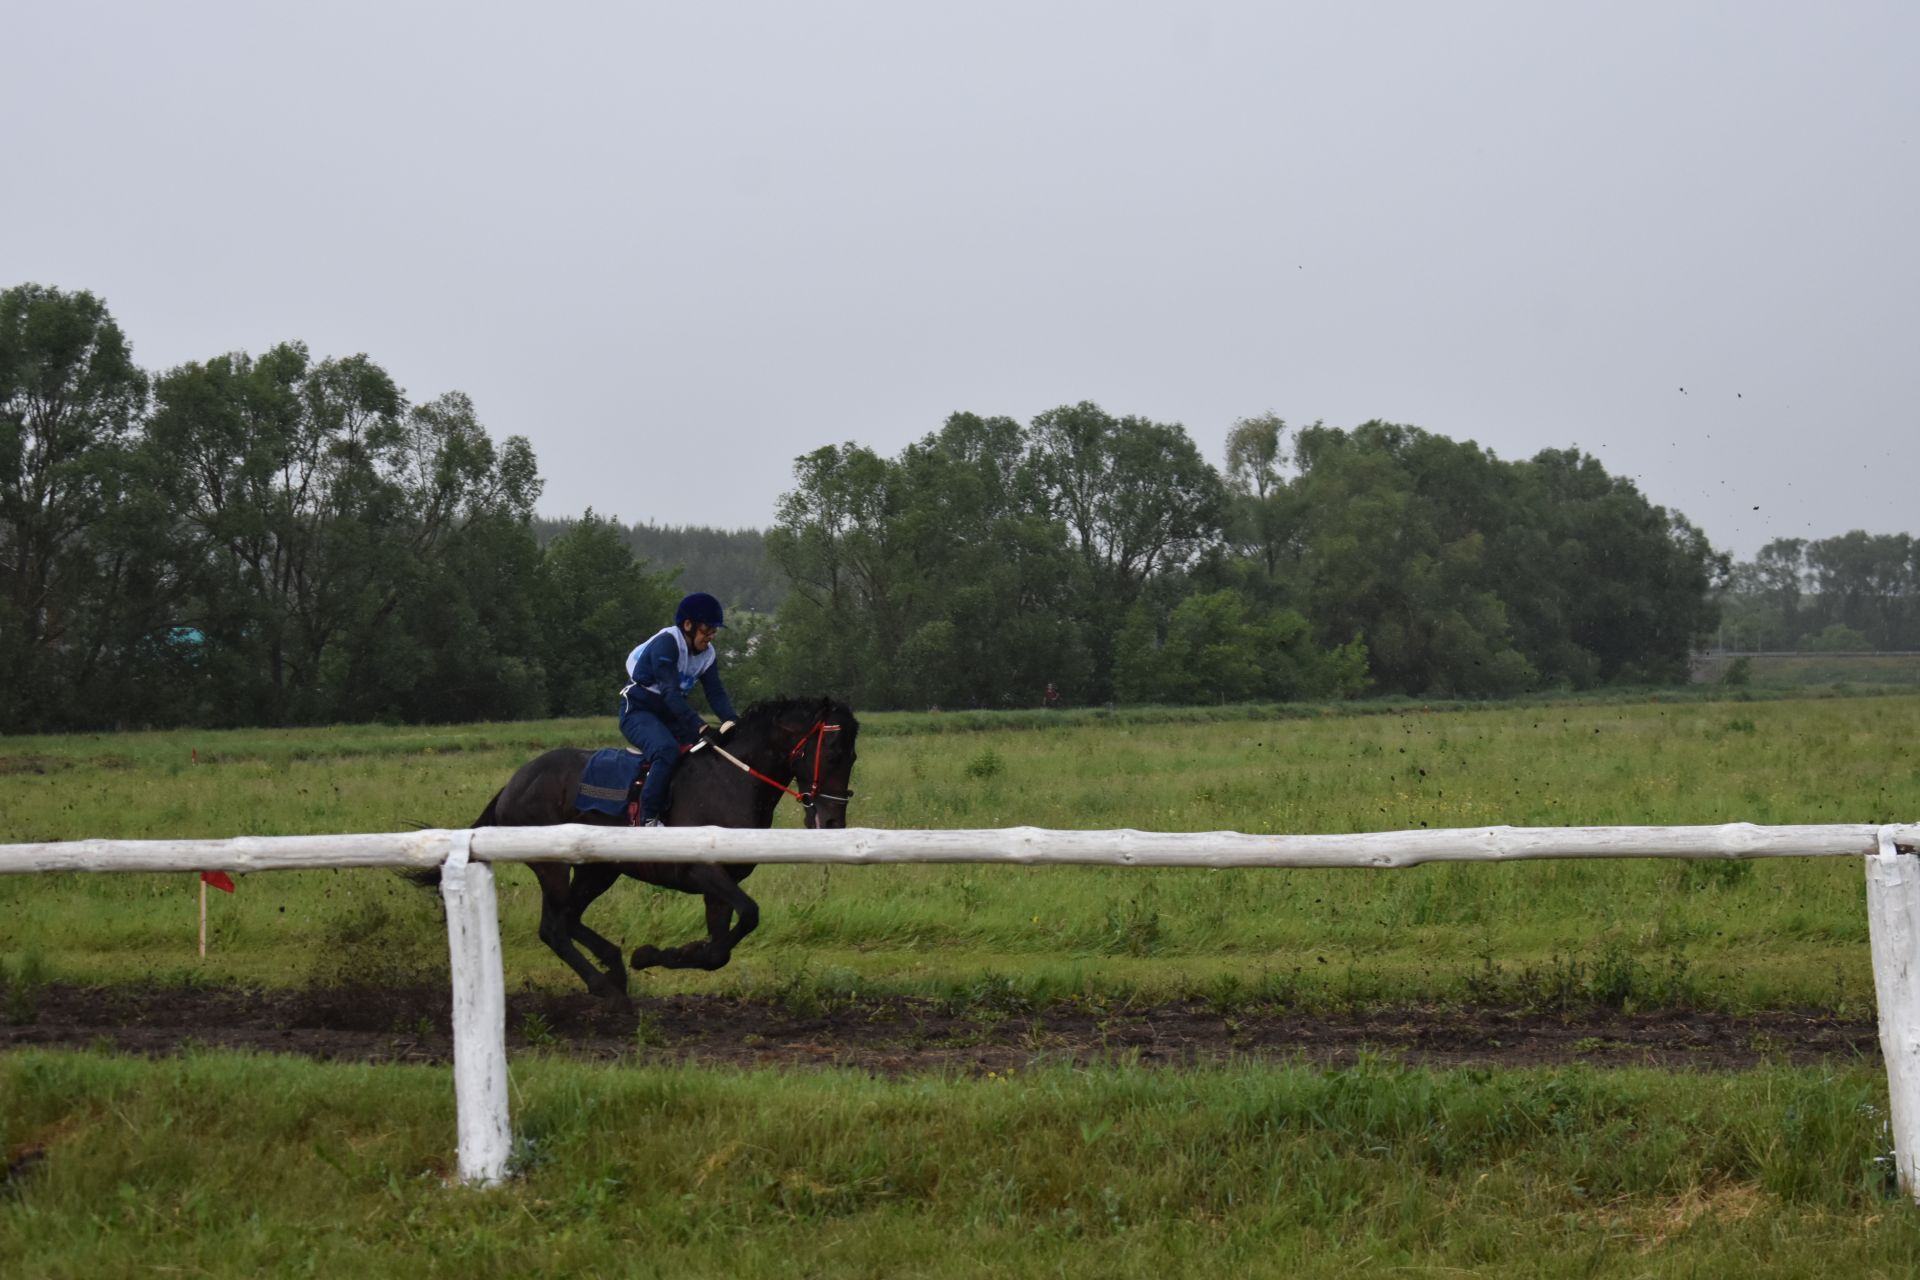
x: 20, y: 989
x: 535, y: 1030
x: 1281, y: 989
x: 1713, y: 874
x: 992, y: 994
x: 802, y: 998
x: 972, y: 894
x: 1613, y: 977
x: 804, y: 994
x: 1133, y: 925
x: 985, y: 1024
x: 527, y: 1156
x: 647, y: 1031
x: 984, y: 764
x: 1225, y: 994
x: 380, y: 939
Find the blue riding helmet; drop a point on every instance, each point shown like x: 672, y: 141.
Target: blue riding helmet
x: 700, y: 608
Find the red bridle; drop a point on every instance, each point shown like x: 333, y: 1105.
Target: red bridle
x: 819, y: 734
x: 816, y: 735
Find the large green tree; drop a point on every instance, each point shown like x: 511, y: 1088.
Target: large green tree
x: 319, y: 505
x: 995, y: 591
x: 933, y: 579
x: 1137, y: 500
x: 73, y: 548
x: 833, y: 537
x: 1386, y: 555
x: 1135, y: 495
x: 1870, y: 584
x: 1852, y: 590
x: 1261, y: 520
x: 599, y: 602
x: 447, y: 626
x: 1608, y: 587
x: 1468, y: 575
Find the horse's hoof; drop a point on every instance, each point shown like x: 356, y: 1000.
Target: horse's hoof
x: 644, y: 958
x: 607, y: 988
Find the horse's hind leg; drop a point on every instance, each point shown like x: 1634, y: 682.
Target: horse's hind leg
x: 565, y: 893
x: 725, y: 899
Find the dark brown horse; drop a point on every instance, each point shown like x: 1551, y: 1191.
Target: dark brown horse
x: 799, y: 747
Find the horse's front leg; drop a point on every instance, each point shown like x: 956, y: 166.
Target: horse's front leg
x: 724, y: 900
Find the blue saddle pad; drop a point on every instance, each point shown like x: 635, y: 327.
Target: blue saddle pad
x: 608, y: 780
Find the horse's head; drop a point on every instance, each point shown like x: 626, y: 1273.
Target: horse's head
x: 823, y: 759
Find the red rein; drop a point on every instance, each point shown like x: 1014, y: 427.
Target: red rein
x: 817, y: 735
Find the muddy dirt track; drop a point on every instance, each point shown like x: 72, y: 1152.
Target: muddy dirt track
x: 896, y: 1035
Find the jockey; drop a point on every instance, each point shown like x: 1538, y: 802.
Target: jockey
x: 654, y: 713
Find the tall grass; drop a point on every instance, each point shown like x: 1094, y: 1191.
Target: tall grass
x: 1779, y: 932
x: 223, y: 1165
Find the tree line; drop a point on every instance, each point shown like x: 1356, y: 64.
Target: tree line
x: 1104, y: 555
x: 273, y: 539
x: 277, y: 539
x: 1858, y: 591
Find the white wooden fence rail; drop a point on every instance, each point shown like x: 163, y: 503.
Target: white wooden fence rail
x: 473, y: 930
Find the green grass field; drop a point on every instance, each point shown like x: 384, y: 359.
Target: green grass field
x: 1736, y: 935
x: 1803, y: 672
x: 223, y: 1164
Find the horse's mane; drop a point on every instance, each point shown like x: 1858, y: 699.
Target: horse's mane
x: 768, y: 710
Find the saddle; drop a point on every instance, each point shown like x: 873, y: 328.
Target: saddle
x: 611, y: 783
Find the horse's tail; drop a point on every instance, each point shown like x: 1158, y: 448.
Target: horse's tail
x: 489, y: 817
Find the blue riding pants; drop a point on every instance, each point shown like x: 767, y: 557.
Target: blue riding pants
x: 662, y: 750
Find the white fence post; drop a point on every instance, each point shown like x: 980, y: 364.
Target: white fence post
x: 479, y: 1015
x: 1893, y: 927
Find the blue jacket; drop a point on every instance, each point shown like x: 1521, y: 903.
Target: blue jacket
x: 662, y: 670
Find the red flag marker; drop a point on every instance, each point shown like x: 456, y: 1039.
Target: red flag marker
x: 219, y: 880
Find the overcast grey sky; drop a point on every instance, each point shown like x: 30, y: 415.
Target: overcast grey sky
x: 677, y: 245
